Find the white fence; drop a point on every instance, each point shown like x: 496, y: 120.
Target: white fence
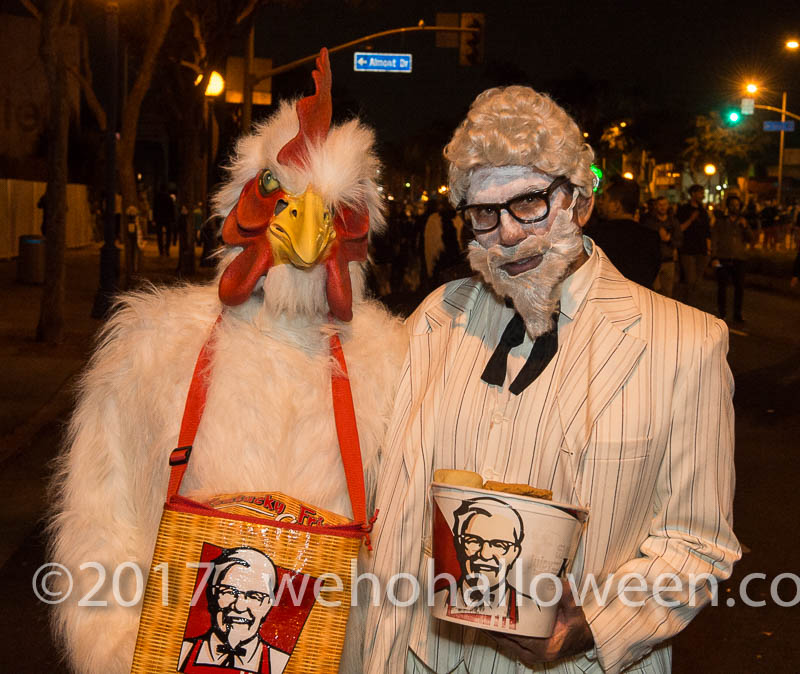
x: 19, y: 215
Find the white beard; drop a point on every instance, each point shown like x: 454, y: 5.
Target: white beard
x: 535, y: 293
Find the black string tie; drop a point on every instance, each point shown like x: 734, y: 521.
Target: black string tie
x: 542, y: 352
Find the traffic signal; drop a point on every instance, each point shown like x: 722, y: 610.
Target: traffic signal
x: 598, y: 176
x: 733, y: 117
x: 470, y: 49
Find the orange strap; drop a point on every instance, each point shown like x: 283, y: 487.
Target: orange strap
x: 343, y: 411
x: 192, y: 413
x: 347, y: 430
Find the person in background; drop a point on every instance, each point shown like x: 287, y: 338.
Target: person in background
x: 670, y: 237
x: 770, y: 220
x: 695, y: 249
x: 433, y: 239
x: 42, y: 204
x: 729, y: 238
x: 646, y: 210
x: 164, y: 216
x: 633, y: 248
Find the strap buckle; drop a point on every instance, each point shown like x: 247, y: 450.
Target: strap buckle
x: 180, y: 455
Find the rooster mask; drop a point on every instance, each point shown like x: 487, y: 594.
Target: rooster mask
x: 306, y: 199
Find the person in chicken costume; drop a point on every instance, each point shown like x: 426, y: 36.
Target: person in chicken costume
x: 297, y: 211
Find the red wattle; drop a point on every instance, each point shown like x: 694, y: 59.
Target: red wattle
x: 238, y: 280
x: 339, y: 289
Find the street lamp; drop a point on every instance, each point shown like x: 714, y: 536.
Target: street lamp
x: 792, y: 44
x: 751, y: 88
x: 215, y: 86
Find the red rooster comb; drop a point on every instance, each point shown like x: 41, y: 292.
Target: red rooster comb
x: 314, y: 113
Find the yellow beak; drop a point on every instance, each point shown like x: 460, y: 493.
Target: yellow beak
x: 302, y: 232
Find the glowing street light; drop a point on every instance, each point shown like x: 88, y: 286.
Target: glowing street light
x: 709, y: 169
x: 792, y: 44
x: 751, y: 88
x: 627, y: 175
x: 215, y: 86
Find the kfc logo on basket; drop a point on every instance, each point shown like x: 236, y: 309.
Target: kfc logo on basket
x: 238, y: 622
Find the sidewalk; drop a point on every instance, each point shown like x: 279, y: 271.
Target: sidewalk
x: 36, y: 385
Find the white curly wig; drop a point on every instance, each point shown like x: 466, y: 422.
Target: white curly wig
x: 517, y: 126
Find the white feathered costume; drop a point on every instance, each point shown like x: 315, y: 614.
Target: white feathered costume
x: 268, y: 421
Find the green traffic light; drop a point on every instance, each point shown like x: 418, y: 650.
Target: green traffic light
x: 598, y: 172
x: 733, y: 117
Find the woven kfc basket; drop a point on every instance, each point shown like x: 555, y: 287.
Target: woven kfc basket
x: 255, y: 582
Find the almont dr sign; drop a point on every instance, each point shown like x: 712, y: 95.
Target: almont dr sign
x: 367, y: 61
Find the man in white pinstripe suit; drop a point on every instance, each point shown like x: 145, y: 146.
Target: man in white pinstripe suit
x: 554, y: 370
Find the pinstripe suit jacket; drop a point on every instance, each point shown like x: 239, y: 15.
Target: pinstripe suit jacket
x: 636, y: 423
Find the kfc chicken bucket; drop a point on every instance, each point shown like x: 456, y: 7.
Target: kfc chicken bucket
x: 498, y: 558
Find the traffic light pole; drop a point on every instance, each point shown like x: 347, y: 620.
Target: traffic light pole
x: 783, y: 111
x: 780, y: 151
x: 353, y: 43
x: 784, y: 114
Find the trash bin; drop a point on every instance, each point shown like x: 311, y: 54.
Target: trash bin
x: 30, y: 263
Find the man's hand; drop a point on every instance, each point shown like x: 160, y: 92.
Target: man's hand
x: 571, y: 635
x: 694, y: 215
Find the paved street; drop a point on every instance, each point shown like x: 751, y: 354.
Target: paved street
x: 765, y: 358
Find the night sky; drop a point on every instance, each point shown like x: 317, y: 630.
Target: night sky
x: 673, y: 59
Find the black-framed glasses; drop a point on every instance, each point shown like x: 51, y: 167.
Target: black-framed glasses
x: 526, y: 208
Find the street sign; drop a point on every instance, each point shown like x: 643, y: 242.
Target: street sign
x: 773, y: 125
x: 367, y: 61
x: 748, y: 105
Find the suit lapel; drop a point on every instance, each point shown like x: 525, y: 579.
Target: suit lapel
x: 599, y: 357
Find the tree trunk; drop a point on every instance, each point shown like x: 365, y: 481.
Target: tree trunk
x: 127, y: 187
x: 130, y: 121
x: 191, y: 177
x: 51, y: 315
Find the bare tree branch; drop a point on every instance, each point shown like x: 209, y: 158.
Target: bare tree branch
x: 197, y: 31
x: 33, y: 9
x: 247, y: 11
x: 158, y: 33
x: 91, y: 98
x: 191, y: 66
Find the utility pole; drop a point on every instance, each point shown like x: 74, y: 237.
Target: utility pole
x: 780, y: 151
x: 247, y: 89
